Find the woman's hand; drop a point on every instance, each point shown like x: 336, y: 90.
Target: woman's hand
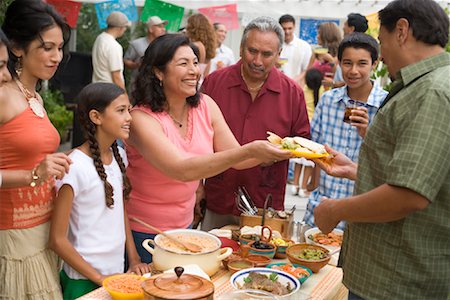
x: 139, y: 268
x: 360, y: 119
x: 53, y: 165
x: 338, y: 166
x: 267, y: 152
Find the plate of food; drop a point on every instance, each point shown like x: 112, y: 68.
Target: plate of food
x: 320, y: 50
x: 330, y: 241
x: 279, y: 283
x: 300, y: 146
x: 299, y: 272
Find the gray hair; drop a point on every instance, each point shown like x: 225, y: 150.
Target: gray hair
x: 264, y: 24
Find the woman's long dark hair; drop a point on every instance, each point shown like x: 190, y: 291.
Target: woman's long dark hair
x: 98, y: 96
x: 149, y: 90
x: 25, y: 20
x: 313, y: 79
x: 3, y: 39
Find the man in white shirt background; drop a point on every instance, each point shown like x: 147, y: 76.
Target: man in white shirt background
x: 224, y: 55
x: 107, y: 53
x: 296, y: 53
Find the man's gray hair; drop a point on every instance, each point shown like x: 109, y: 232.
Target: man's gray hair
x: 264, y: 24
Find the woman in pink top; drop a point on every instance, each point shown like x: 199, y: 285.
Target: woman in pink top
x: 178, y: 136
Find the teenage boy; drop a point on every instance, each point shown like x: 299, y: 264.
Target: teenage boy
x: 358, y: 55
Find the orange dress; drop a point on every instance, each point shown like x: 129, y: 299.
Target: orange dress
x: 25, y: 141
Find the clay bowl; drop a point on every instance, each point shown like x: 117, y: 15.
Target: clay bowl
x: 293, y: 252
x: 239, y: 264
x: 259, y: 260
x: 260, y: 248
x: 233, y: 256
x: 245, y: 239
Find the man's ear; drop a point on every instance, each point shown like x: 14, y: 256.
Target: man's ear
x: 374, y: 64
x: 403, y: 30
x: 95, y: 117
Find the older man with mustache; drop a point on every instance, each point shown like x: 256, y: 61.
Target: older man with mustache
x: 255, y: 97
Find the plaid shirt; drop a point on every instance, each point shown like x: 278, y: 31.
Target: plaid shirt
x: 407, y: 146
x: 328, y: 127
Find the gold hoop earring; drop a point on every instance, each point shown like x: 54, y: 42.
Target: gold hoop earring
x: 18, y: 66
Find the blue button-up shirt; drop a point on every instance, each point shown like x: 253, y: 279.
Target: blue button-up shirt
x: 328, y: 127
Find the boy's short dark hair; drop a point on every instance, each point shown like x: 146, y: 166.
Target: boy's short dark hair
x: 358, y: 21
x: 286, y: 19
x: 427, y: 19
x: 359, y: 40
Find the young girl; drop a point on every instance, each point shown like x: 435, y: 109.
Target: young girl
x: 89, y: 228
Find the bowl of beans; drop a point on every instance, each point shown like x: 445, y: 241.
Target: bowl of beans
x: 313, y: 257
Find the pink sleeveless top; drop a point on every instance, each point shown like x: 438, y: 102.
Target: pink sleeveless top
x: 24, y: 142
x: 156, y: 198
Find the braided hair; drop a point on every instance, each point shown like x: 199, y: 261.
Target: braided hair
x: 97, y: 96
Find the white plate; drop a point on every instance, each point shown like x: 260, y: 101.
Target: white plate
x: 315, y: 230
x: 237, y: 279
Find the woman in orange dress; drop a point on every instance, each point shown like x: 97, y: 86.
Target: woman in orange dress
x: 28, y: 269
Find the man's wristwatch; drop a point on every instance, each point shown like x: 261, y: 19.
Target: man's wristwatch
x: 34, y: 177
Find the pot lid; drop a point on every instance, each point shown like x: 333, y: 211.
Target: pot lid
x: 178, y: 286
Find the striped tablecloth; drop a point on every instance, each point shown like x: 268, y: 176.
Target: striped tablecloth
x: 325, y: 285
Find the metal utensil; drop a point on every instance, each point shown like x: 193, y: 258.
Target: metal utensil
x: 266, y: 202
x: 186, y: 245
x: 242, y: 206
x: 249, y: 199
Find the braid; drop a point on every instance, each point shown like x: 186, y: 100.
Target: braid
x: 93, y: 146
x: 126, y: 181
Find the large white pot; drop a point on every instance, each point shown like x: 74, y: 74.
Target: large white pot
x: 165, y: 259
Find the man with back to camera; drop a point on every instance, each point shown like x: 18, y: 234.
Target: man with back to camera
x: 136, y: 49
x: 396, y: 243
x: 107, y: 53
x: 295, y: 51
x: 224, y: 55
x: 254, y: 97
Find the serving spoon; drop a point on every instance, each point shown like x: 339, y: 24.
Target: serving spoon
x: 185, y: 245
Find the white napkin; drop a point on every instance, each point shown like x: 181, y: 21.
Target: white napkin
x: 257, y: 230
x: 221, y: 232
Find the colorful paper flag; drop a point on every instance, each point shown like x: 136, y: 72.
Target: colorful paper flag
x: 164, y: 10
x: 225, y: 14
x: 68, y: 9
x: 103, y: 10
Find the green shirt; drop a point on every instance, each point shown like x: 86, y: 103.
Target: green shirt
x: 407, y: 145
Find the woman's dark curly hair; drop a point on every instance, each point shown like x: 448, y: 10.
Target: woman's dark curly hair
x: 98, y: 96
x: 199, y: 28
x: 149, y: 91
x: 25, y: 20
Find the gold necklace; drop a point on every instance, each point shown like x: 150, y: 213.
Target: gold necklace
x: 180, y: 124
x: 33, y: 102
x: 254, y: 89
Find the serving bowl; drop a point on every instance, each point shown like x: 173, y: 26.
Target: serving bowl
x: 209, y: 261
x: 239, y: 264
x: 258, y: 260
x: 260, y: 248
x: 312, y: 231
x: 282, y: 245
x: 302, y: 274
x: 248, y: 295
x: 113, y: 283
x: 237, y: 280
x: 315, y: 265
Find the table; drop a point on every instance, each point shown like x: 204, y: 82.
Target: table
x: 324, y: 285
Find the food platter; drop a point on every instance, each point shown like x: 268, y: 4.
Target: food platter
x: 328, y: 244
x: 309, y: 155
x: 301, y: 276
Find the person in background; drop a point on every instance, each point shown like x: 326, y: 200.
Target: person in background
x: 313, y: 90
x: 178, y: 136
x: 136, y: 49
x: 358, y: 55
x: 28, y: 162
x: 224, y: 55
x: 107, y: 53
x: 201, y: 32
x: 89, y: 228
x: 5, y: 76
x: 328, y: 36
x: 255, y: 97
x: 355, y: 23
x: 296, y: 53
x: 398, y: 219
